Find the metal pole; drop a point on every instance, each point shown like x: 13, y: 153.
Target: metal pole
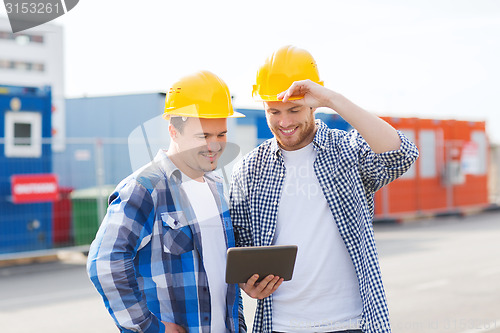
x: 385, y: 201
x: 99, y: 168
x: 449, y: 176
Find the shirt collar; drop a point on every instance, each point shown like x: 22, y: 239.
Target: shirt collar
x: 167, y: 166
x: 319, y: 140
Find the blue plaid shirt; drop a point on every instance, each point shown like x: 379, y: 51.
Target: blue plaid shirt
x: 349, y: 173
x: 146, y: 260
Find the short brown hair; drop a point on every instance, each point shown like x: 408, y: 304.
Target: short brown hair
x: 178, y: 122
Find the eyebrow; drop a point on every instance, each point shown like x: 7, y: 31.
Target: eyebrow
x: 289, y: 109
x: 207, y: 133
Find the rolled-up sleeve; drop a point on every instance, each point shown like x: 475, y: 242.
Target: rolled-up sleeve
x: 110, y: 266
x: 379, y: 170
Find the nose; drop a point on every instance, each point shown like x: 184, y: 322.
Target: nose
x: 215, y: 145
x: 285, y: 121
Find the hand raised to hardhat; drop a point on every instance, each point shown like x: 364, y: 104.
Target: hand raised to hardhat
x: 310, y: 93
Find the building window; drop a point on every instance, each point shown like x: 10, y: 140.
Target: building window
x: 23, y: 134
x: 427, y: 158
x: 37, y: 39
x: 474, y: 160
x: 22, y: 38
x: 7, y: 35
x: 37, y: 67
x: 22, y: 65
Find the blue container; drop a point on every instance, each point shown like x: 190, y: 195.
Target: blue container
x: 27, y: 111
x: 112, y: 119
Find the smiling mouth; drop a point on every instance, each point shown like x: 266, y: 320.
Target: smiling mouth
x: 288, y: 132
x: 210, y: 156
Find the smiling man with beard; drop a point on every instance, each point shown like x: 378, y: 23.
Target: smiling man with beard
x: 160, y: 252
x: 313, y: 187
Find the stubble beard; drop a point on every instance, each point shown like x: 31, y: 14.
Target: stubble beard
x: 303, y: 132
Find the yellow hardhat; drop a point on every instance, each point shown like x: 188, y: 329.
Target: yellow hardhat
x: 201, y: 95
x: 285, y: 66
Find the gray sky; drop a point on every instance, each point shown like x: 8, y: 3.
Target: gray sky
x: 425, y: 58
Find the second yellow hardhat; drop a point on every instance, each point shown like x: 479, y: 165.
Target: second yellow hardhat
x: 285, y: 66
x: 201, y: 95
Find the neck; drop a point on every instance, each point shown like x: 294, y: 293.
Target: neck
x: 176, y: 158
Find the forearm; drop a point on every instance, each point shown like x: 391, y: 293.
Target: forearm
x: 380, y: 136
x: 110, y: 262
x: 115, y: 281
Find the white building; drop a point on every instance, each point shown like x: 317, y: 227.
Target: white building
x: 34, y: 57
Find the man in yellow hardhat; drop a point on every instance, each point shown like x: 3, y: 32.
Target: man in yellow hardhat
x: 159, y: 256
x: 313, y: 186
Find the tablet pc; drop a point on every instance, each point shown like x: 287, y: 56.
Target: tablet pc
x: 243, y: 262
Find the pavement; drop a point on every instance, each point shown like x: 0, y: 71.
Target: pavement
x: 441, y: 276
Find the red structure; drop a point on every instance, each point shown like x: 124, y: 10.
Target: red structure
x: 62, y: 216
x: 29, y: 188
x: 450, y: 176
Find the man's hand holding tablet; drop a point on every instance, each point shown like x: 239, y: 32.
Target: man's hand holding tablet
x: 262, y: 289
x: 260, y: 270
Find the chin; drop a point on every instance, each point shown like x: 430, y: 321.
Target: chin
x: 210, y: 167
x: 288, y: 144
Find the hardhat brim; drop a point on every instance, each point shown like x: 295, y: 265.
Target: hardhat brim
x: 274, y: 98
x: 237, y: 115
x: 183, y: 113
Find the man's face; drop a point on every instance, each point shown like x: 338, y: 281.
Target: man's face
x: 200, y: 145
x: 292, y: 124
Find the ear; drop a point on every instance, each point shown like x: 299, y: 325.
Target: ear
x: 173, y: 132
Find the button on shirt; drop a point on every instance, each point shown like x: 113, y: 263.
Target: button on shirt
x: 349, y: 173
x: 146, y: 260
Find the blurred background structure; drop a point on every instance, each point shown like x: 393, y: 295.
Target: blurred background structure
x: 81, y: 99
x: 52, y: 199
x: 77, y: 149
x: 36, y: 58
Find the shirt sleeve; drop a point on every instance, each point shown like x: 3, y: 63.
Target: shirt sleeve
x: 110, y: 266
x: 239, y: 207
x: 378, y: 170
x: 241, y: 316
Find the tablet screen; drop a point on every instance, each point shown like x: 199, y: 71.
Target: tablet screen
x: 243, y: 262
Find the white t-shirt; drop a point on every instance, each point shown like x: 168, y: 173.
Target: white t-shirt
x: 323, y: 294
x: 214, y: 247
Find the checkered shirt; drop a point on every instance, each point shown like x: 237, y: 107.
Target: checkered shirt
x: 146, y: 260
x: 349, y: 173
